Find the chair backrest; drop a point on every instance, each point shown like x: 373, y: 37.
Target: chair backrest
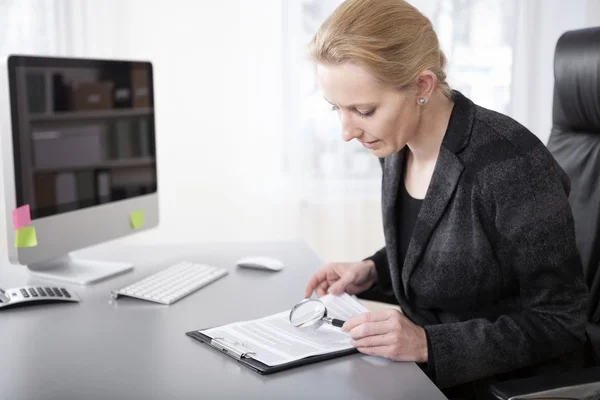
x: 575, y: 143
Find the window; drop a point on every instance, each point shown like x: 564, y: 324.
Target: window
x: 27, y: 26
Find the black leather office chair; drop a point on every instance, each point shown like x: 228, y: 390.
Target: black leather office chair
x: 575, y: 143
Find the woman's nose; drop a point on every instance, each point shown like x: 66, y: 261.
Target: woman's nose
x: 349, y: 130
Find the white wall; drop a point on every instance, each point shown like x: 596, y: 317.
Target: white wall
x: 218, y: 109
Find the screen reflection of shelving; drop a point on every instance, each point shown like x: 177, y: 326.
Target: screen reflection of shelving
x: 89, y: 135
x: 89, y: 115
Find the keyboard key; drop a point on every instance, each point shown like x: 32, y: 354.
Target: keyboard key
x: 57, y: 292
x: 41, y: 291
x: 33, y: 292
x: 64, y: 291
x: 49, y: 292
x: 24, y: 293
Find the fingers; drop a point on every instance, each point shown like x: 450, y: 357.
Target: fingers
x: 369, y: 329
x: 381, y: 351
x: 322, y: 289
x: 346, y: 279
x: 356, y: 289
x: 386, y: 339
x: 352, y: 289
x: 395, y: 338
x: 314, y: 281
x: 380, y: 315
x: 338, y: 278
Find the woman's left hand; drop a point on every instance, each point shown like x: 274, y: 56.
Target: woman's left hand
x: 389, y: 334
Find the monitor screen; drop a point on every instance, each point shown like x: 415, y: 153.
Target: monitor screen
x: 83, y: 132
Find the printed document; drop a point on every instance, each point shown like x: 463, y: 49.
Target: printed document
x: 274, y: 340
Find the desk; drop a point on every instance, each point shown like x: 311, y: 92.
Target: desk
x: 132, y: 349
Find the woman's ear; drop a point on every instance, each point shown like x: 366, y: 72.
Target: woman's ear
x: 426, y: 84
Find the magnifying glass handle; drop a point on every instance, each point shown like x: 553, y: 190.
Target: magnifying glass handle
x: 337, y: 322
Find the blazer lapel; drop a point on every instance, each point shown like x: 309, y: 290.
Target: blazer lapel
x: 445, y: 178
x: 393, y: 172
x: 446, y: 174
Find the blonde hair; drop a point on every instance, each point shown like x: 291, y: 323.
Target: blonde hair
x: 390, y: 38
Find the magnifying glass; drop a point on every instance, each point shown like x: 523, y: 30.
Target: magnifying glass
x: 312, y: 313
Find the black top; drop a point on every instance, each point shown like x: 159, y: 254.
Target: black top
x: 406, y: 217
x: 408, y: 210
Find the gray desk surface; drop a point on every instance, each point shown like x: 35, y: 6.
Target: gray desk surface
x: 132, y: 349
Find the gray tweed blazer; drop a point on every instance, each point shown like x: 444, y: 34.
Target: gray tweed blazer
x: 492, y: 270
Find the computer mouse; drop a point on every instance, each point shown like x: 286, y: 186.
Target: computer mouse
x: 264, y: 263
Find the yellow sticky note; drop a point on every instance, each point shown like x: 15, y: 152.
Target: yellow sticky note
x: 26, y: 237
x: 137, y: 219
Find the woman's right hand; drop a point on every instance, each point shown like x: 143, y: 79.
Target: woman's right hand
x: 337, y: 278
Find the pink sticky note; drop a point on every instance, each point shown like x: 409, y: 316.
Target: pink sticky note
x: 21, y: 217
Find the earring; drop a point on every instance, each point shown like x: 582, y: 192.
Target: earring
x: 421, y: 101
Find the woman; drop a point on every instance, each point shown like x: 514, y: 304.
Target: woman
x: 480, y: 247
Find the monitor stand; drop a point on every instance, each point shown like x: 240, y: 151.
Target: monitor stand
x: 78, y: 271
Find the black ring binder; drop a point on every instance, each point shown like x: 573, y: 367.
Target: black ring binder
x: 247, y: 361
x: 227, y: 340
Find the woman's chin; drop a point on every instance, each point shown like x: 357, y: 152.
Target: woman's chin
x: 381, y: 151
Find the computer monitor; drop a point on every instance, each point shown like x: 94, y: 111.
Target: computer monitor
x: 82, y: 156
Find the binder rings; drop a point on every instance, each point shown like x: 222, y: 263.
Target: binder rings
x: 237, y: 351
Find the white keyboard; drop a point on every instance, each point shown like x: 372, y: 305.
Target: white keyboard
x: 173, y: 283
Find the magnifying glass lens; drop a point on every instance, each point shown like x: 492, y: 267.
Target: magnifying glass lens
x: 307, y: 314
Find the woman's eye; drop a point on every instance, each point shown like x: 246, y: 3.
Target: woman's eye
x: 362, y: 114
x: 365, y: 114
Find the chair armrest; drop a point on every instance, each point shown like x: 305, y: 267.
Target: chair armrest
x: 581, y: 384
